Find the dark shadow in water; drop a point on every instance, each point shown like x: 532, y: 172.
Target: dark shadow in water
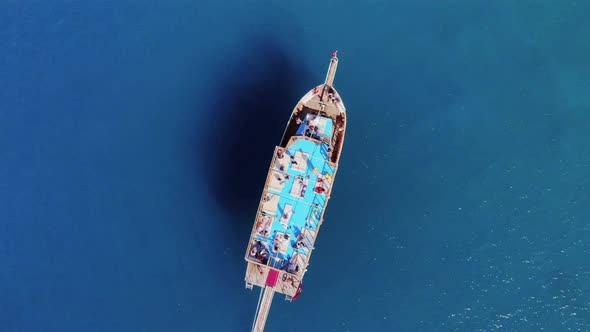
x: 252, y: 101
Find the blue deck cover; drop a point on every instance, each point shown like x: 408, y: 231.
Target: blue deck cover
x: 305, y: 201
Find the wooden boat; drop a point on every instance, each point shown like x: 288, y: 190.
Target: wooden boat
x: 295, y: 196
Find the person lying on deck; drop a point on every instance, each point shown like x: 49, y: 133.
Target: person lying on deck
x: 299, y: 244
x: 300, y: 241
x: 319, y: 190
x: 287, y: 215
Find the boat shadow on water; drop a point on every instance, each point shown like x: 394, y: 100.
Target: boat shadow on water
x: 252, y: 101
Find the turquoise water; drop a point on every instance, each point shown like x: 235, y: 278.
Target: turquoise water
x: 127, y: 196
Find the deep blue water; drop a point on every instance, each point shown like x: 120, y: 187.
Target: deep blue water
x: 127, y: 193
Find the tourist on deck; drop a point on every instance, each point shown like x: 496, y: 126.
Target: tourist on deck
x: 319, y: 189
x: 287, y: 215
x: 253, y: 251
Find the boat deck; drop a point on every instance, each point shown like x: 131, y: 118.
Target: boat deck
x: 292, y: 205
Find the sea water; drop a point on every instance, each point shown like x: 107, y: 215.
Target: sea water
x: 135, y: 137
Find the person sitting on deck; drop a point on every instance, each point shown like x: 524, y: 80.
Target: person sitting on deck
x: 292, y: 265
x: 313, y: 123
x: 253, y: 251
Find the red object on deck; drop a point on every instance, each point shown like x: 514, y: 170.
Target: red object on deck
x: 271, y: 279
x: 298, y: 291
x: 335, y: 54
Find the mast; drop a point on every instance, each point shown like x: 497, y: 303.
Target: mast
x: 332, y: 69
x: 264, y: 301
x: 327, y: 87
